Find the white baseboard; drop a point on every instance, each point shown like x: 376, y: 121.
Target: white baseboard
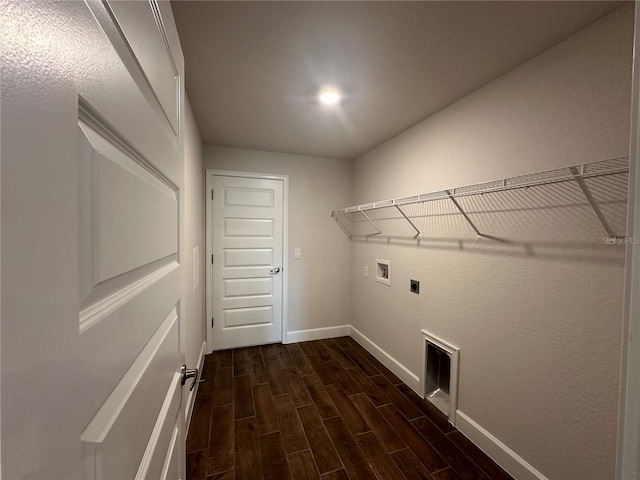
x: 192, y: 394
x: 402, y: 372
x: 513, y: 463
x: 317, y: 334
x: 494, y: 448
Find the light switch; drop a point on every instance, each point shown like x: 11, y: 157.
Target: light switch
x: 196, y: 269
x: 365, y: 272
x: 297, y: 253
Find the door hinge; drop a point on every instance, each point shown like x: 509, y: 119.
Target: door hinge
x: 211, y: 322
x: 212, y: 258
x: 211, y: 194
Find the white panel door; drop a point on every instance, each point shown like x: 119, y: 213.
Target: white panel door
x: 247, y: 231
x: 91, y: 178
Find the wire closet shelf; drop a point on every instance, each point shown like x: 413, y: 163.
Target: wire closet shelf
x: 576, y: 174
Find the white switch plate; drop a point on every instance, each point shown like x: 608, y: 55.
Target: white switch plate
x: 297, y: 253
x: 365, y: 272
x: 196, y: 268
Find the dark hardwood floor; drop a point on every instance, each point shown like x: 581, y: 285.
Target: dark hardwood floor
x: 325, y: 409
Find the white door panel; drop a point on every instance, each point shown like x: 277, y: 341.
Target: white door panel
x: 172, y: 464
x: 235, y: 258
x: 92, y: 317
x: 119, y: 94
x: 148, y: 45
x: 243, y: 287
x: 161, y: 443
x: 248, y: 316
x: 116, y: 438
x: 248, y: 197
x: 132, y: 212
x: 247, y: 243
x: 248, y: 227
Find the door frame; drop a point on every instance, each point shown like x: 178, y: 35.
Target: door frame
x: 627, y: 454
x: 210, y: 173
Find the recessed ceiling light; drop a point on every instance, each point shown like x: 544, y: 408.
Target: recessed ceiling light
x: 329, y: 97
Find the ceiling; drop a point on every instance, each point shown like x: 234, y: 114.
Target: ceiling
x: 253, y: 69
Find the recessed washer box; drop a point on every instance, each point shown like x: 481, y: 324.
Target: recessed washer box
x: 383, y: 271
x: 439, y: 375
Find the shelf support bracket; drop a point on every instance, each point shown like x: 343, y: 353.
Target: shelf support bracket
x: 339, y: 222
x: 410, y: 222
x: 592, y: 201
x: 464, y: 214
x: 378, y: 231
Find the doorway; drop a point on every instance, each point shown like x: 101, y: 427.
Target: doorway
x: 247, y: 266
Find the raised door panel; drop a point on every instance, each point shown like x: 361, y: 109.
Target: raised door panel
x: 244, y: 287
x: 120, y: 432
x: 114, y: 334
x: 129, y: 210
x: 248, y: 316
x: 138, y: 20
x: 120, y: 96
x: 248, y: 227
x: 248, y: 197
x: 248, y: 257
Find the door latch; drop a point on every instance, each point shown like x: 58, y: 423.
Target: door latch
x: 187, y: 373
x: 275, y: 270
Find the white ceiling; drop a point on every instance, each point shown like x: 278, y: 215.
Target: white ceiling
x: 253, y: 69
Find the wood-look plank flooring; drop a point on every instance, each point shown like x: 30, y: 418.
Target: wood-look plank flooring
x: 320, y: 410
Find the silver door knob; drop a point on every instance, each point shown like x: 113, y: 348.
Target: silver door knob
x: 187, y: 373
x: 275, y: 270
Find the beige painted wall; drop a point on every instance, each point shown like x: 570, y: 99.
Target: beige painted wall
x: 319, y: 282
x: 538, y: 320
x: 194, y: 237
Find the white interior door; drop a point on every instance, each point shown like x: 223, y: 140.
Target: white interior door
x: 247, y: 270
x: 92, y: 336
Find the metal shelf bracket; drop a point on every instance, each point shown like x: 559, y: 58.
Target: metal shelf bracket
x: 334, y: 214
x: 464, y: 214
x: 577, y: 174
x: 418, y: 234
x: 378, y: 231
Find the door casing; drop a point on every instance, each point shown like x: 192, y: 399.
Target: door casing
x: 210, y: 173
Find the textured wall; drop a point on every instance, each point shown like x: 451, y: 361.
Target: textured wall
x: 319, y: 282
x: 537, y: 317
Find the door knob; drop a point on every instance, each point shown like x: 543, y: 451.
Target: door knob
x: 275, y: 270
x: 187, y: 373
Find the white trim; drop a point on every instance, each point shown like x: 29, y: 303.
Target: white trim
x: 208, y: 280
x: 191, y: 400
x: 627, y: 453
x: 513, y: 463
x: 317, y: 334
x: 210, y: 172
x: 163, y: 420
x: 170, y: 454
x: 95, y: 313
x: 403, y: 373
x: 454, y: 355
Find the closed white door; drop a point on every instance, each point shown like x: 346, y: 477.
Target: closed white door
x: 247, y: 270
x: 92, y: 331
